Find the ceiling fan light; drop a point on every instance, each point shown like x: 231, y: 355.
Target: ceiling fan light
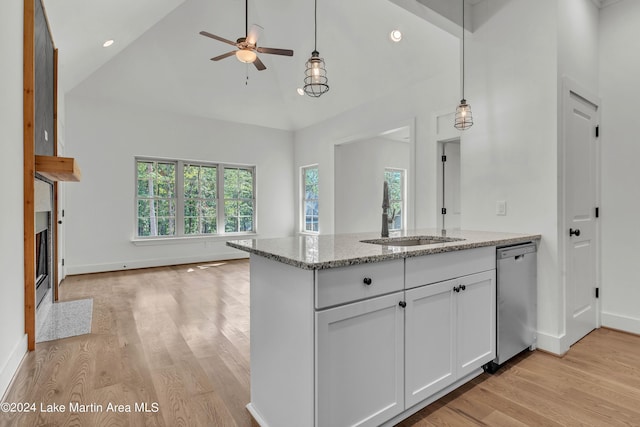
x: 246, y: 55
x: 315, y: 80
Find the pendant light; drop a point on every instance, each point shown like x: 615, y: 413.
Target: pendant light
x: 464, y: 119
x: 315, y: 80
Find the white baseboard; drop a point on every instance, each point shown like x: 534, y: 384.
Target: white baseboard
x: 13, y: 363
x: 256, y: 416
x: 552, y: 343
x: 622, y: 323
x: 160, y: 262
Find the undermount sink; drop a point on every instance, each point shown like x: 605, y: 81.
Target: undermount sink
x: 411, y: 240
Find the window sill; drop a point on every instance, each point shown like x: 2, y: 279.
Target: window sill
x: 308, y: 233
x: 152, y: 241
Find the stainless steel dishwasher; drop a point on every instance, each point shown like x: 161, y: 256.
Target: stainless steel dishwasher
x: 516, y: 306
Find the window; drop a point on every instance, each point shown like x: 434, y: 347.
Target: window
x: 395, y: 181
x: 178, y: 198
x: 238, y: 199
x: 310, y: 198
x: 200, y: 199
x: 157, y: 200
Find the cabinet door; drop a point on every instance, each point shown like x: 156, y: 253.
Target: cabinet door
x: 360, y: 362
x: 430, y: 340
x: 476, y: 317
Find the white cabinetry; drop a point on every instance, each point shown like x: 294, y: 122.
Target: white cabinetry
x: 360, y: 367
x: 450, y: 332
x: 430, y: 340
x: 369, y: 344
x: 475, y: 318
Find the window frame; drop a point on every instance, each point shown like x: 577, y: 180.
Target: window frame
x: 180, y: 199
x: 403, y: 192
x: 303, y: 199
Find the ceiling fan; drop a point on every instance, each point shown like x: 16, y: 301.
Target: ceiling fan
x: 247, y: 45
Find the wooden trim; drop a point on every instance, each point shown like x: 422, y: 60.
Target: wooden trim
x: 54, y: 211
x: 58, y: 168
x: 29, y: 173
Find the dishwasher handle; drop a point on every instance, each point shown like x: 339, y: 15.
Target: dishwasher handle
x: 516, y: 251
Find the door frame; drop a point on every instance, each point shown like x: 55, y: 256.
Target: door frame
x: 569, y: 86
x: 440, y: 181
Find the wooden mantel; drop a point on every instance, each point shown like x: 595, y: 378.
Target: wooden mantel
x: 58, y: 168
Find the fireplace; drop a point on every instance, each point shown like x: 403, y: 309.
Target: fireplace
x: 44, y: 239
x: 42, y: 265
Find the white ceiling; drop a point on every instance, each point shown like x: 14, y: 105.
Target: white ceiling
x: 159, y: 60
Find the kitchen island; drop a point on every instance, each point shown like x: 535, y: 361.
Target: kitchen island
x: 350, y: 333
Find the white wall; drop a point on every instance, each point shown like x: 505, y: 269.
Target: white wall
x: 510, y: 153
x: 105, y: 137
x: 359, y: 177
x: 578, y: 42
x: 620, y: 92
x: 13, y: 342
x: 416, y: 105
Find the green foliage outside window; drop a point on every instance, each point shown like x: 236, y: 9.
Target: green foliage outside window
x: 163, y: 209
x: 395, y: 180
x: 311, y: 196
x: 156, y: 198
x: 238, y: 199
x: 200, y: 199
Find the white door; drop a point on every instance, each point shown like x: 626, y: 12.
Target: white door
x: 360, y: 362
x: 429, y: 340
x: 580, y: 156
x: 476, y: 321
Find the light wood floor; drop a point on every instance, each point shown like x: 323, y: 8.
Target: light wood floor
x: 179, y: 336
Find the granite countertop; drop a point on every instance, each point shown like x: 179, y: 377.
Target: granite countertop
x: 317, y: 252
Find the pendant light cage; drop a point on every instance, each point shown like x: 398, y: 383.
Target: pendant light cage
x: 315, y: 80
x: 463, y: 118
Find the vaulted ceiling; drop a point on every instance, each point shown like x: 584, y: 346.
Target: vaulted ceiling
x: 159, y: 60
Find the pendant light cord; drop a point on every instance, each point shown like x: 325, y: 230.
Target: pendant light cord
x: 315, y: 24
x: 462, y: 49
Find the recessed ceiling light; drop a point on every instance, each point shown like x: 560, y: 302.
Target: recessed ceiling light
x: 108, y: 43
x: 395, y: 36
x: 300, y: 91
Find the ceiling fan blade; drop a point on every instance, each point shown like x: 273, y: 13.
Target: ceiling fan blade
x: 224, y: 55
x: 221, y: 39
x: 273, y: 51
x: 254, y: 34
x: 259, y: 65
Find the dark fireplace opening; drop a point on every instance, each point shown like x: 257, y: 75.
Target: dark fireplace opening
x: 42, y: 265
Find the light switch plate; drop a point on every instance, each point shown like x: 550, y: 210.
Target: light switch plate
x: 501, y: 207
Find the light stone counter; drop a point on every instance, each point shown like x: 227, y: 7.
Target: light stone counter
x: 311, y: 252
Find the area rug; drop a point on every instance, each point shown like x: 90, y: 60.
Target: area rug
x: 66, y: 319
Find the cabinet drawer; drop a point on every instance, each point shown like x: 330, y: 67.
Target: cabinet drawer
x: 341, y: 285
x: 434, y: 268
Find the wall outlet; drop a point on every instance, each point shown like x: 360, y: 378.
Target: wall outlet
x: 501, y: 207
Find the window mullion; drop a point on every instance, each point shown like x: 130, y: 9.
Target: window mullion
x: 220, y: 200
x: 180, y: 198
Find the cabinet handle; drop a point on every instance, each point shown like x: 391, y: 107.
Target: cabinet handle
x: 367, y: 281
x: 463, y: 287
x: 402, y: 304
x: 456, y: 288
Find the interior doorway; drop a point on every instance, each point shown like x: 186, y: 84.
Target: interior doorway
x: 449, y: 204
x: 580, y: 239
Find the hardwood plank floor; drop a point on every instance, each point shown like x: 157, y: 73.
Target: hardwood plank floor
x: 178, y: 337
